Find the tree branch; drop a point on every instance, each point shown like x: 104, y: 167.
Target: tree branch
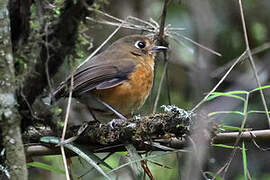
x: 230, y: 137
x: 154, y: 132
x: 146, y: 133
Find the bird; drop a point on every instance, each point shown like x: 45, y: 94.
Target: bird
x: 116, y: 82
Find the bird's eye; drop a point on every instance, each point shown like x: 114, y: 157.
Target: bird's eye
x: 140, y: 44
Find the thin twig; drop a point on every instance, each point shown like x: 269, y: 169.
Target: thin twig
x: 30, y: 107
x: 258, y: 146
x: 167, y: 79
x: 123, y: 21
x: 181, y: 43
x: 105, y: 14
x: 221, y: 80
x: 48, y: 59
x: 197, y: 44
x: 65, y: 129
x: 125, y: 25
x: 94, y: 53
x: 252, y: 62
x: 88, y: 171
x: 152, y: 27
x: 160, y: 86
x: 161, y: 40
x: 254, y: 51
x: 245, y: 113
x: 163, y: 18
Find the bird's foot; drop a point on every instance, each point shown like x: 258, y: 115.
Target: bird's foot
x: 115, y: 122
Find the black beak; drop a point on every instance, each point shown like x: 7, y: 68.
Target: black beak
x: 159, y: 48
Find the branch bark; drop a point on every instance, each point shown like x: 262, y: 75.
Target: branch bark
x: 230, y: 137
x: 9, y: 116
x: 146, y: 133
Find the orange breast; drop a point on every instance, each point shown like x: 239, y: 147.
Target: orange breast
x: 130, y: 95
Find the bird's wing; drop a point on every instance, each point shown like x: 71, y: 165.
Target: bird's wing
x: 97, y: 75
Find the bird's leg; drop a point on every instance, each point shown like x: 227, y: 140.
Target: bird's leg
x: 92, y: 114
x: 112, y: 109
x: 113, y: 122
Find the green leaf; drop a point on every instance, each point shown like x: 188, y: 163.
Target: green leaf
x: 57, y: 11
x: 46, y: 166
x: 259, y: 112
x: 244, y: 156
x: 229, y: 128
x: 122, y: 153
x: 213, y: 96
x: 227, y: 94
x: 58, y: 111
x: 214, y: 175
x: 237, y: 92
x: 259, y: 32
x: 60, y: 123
x: 90, y: 157
x: 259, y: 88
x: 225, y: 146
x: 225, y: 112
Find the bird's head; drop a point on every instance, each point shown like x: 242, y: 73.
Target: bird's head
x: 138, y: 45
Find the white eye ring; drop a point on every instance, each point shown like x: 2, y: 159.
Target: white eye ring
x: 140, y: 44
